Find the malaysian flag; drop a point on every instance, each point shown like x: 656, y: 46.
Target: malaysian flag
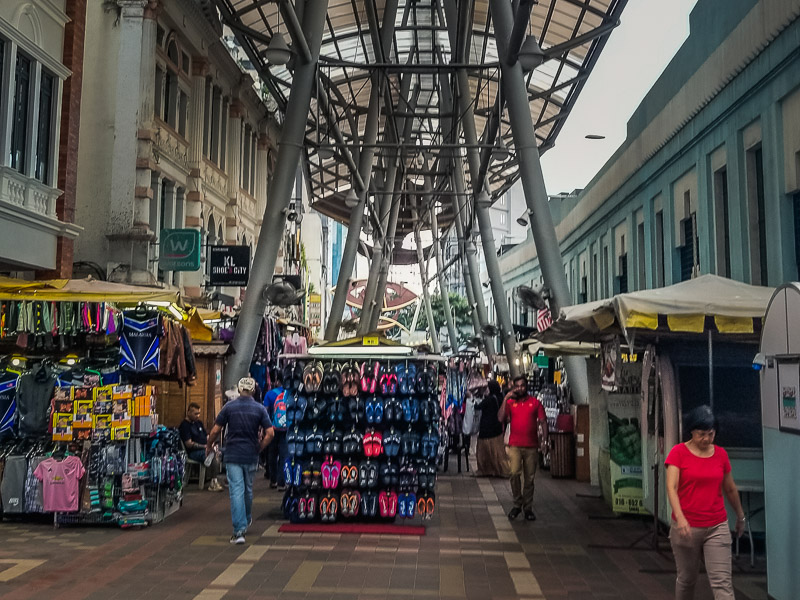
x: 543, y: 319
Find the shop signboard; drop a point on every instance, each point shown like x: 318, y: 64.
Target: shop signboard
x: 314, y: 310
x: 179, y: 250
x: 230, y: 265
x: 625, y: 450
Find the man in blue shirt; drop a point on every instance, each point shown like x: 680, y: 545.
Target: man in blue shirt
x: 278, y: 450
x: 249, y: 431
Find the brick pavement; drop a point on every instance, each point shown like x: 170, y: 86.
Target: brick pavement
x: 470, y: 551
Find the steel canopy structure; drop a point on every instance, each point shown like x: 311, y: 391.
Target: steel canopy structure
x: 410, y: 106
x: 571, y: 34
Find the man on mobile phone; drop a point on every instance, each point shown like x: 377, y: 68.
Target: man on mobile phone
x: 524, y: 413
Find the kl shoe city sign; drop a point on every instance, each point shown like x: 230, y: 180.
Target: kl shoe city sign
x: 179, y: 250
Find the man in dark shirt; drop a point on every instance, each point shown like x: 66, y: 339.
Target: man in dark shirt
x: 249, y: 431
x: 194, y: 438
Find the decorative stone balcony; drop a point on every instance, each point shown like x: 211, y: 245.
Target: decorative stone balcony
x: 24, y: 192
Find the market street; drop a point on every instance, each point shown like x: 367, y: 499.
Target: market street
x: 470, y: 550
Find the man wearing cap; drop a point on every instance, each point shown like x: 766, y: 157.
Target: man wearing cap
x: 249, y: 431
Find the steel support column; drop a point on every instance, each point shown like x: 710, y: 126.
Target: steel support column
x: 451, y: 327
x: 365, y: 169
x: 426, y: 297
x: 472, y: 279
x: 274, y: 222
x: 389, y: 209
x: 530, y: 168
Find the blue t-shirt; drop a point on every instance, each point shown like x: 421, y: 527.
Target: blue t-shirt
x: 269, y: 400
x: 244, y: 418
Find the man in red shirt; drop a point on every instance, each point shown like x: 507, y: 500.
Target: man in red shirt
x: 524, y: 413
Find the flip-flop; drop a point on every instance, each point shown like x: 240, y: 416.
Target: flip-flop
x: 411, y: 504
x: 421, y: 506
x: 316, y: 476
x: 376, y: 369
x: 383, y: 503
x: 369, y: 410
x: 326, y: 474
x: 377, y: 410
x: 301, y: 509
x: 349, y: 474
x: 311, y: 508
x: 288, y: 469
x: 297, y: 475
x: 402, y: 506
x: 377, y: 443
x: 336, y: 469
x: 393, y: 504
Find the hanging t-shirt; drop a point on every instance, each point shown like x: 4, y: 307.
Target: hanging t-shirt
x: 139, y: 343
x: 60, y: 483
x: 8, y: 402
x: 12, y: 488
x: 33, y: 400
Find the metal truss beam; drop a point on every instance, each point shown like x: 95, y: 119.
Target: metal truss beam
x: 365, y: 169
x: 274, y: 221
x: 544, y: 234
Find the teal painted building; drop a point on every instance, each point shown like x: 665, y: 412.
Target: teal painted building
x: 708, y: 179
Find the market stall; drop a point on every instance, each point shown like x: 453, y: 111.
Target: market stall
x: 364, y: 420
x: 83, y: 363
x: 663, y: 352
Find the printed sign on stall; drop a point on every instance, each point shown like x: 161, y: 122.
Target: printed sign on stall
x: 625, y: 450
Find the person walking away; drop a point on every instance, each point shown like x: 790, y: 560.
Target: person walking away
x: 194, y: 438
x: 249, y: 431
x: 278, y: 450
x: 490, y: 453
x: 524, y: 413
x: 698, y: 472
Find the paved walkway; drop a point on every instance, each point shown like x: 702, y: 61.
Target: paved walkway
x: 470, y: 551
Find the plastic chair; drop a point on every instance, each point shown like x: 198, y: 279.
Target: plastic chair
x: 201, y: 470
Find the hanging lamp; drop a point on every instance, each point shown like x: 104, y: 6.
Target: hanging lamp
x: 278, y: 51
x: 530, y: 54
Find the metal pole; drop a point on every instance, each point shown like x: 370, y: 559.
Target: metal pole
x: 383, y: 274
x: 389, y: 207
x: 437, y: 347
x: 365, y: 169
x: 484, y: 222
x: 472, y: 281
x: 451, y: 328
x: 274, y: 222
x: 710, y: 370
x: 530, y: 168
x: 372, y: 283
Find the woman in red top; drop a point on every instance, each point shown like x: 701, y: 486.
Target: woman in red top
x: 697, y: 474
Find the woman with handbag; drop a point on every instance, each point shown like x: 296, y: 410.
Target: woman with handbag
x: 491, y: 452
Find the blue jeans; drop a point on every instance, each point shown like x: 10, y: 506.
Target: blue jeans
x: 240, y: 487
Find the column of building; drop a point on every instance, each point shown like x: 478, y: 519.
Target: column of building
x: 193, y: 281
x: 234, y: 170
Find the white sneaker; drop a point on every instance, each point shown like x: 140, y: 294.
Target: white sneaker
x: 209, y: 459
x: 237, y: 539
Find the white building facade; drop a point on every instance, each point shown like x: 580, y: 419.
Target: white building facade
x: 175, y: 136
x: 32, y: 76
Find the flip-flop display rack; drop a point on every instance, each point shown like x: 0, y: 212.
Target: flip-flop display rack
x: 363, y: 439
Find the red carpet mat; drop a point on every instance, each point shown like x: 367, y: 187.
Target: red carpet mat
x: 373, y: 528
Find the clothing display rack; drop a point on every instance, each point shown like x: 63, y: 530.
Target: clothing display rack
x: 363, y: 438
x: 79, y: 433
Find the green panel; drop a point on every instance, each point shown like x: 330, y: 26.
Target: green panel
x: 179, y: 250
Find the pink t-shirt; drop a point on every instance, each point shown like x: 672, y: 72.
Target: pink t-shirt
x: 60, y: 483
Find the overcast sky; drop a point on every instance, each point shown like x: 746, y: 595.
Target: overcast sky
x: 650, y: 33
